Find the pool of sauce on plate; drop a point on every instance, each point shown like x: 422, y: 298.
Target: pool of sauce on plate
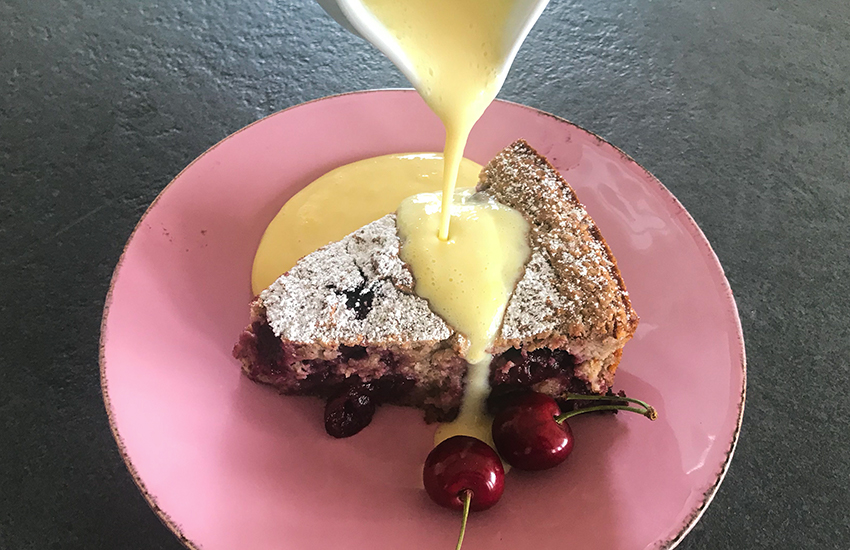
x: 342, y: 201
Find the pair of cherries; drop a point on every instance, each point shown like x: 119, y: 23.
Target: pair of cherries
x: 530, y: 433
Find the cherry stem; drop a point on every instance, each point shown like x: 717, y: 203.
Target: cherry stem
x: 645, y: 409
x: 580, y: 397
x: 467, y: 499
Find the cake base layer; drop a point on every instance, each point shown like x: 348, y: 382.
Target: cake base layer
x: 429, y: 377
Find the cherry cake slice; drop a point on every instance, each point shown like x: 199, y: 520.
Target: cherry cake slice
x: 344, y: 323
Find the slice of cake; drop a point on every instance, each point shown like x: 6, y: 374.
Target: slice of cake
x: 345, y: 321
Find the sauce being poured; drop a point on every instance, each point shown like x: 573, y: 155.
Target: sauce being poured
x: 466, y: 251
x: 467, y: 280
x: 458, y: 51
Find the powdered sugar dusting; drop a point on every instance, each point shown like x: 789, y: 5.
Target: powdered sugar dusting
x: 572, y: 284
x: 355, y: 291
x: 535, y: 292
x: 358, y: 291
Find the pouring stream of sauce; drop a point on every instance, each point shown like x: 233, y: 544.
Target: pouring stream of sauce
x: 468, y: 263
x: 465, y: 250
x: 458, y: 51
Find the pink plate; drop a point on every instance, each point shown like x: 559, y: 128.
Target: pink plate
x: 229, y: 464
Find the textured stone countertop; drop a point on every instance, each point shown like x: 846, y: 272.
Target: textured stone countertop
x: 741, y: 108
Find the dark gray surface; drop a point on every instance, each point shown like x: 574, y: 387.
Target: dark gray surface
x: 741, y: 107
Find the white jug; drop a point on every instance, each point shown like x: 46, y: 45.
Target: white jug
x: 355, y: 17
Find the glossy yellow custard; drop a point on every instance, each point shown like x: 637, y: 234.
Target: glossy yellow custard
x: 343, y: 200
x: 466, y: 251
x: 458, y: 51
x: 467, y: 280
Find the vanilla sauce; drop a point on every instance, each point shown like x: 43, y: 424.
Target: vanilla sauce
x: 466, y: 251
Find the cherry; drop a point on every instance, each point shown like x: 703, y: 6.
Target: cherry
x: 530, y: 433
x: 527, y: 436
x: 462, y: 463
x: 464, y: 473
x: 349, y: 410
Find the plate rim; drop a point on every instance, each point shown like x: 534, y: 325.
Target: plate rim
x: 685, y: 216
